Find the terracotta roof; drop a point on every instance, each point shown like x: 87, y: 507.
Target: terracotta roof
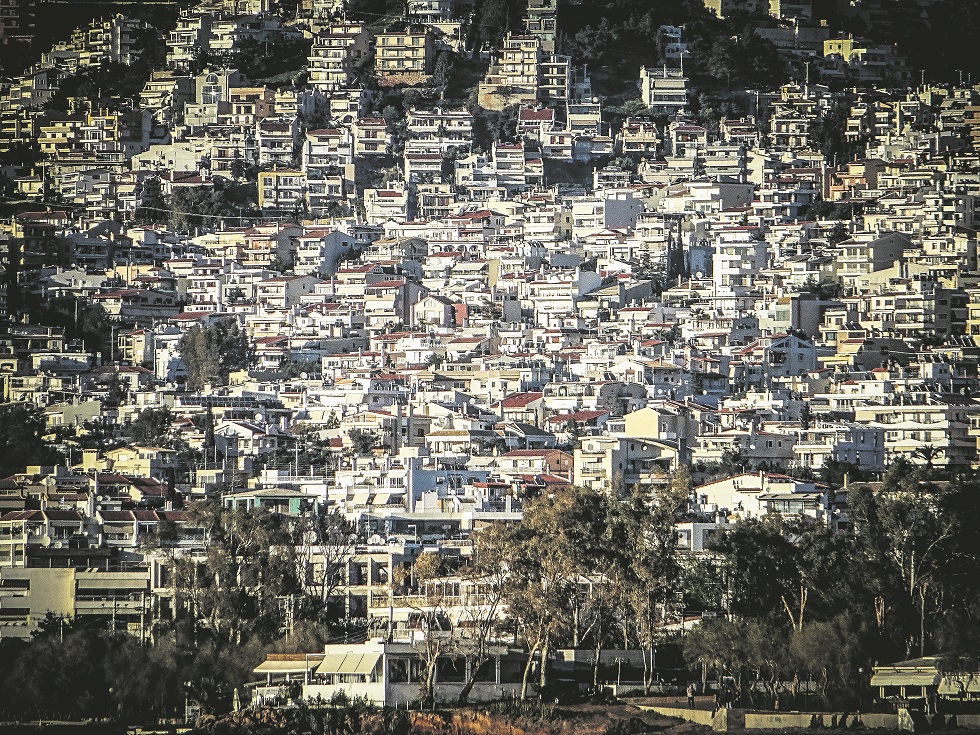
x: 520, y: 400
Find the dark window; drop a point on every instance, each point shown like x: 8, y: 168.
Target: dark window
x: 451, y: 669
x: 511, y: 671
x: 398, y: 670
x: 488, y: 671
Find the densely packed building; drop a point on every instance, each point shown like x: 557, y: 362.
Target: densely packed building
x: 433, y: 347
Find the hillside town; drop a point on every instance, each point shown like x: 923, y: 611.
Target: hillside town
x: 380, y: 285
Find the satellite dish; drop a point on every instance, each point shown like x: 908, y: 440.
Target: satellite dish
x: 699, y: 275
x: 258, y: 417
x: 45, y: 540
x: 304, y: 376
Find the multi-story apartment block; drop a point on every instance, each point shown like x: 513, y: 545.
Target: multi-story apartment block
x: 371, y: 136
x: 859, y: 257
x: 912, y: 421
x: 337, y: 51
x: 431, y: 11
x: 282, y: 190
x: 441, y: 130
x: 326, y: 150
x: 17, y: 21
x: 277, y: 141
x: 193, y: 32
x: 789, y: 128
x: 663, y: 90
x: 513, y: 78
x: 386, y: 205
x: 603, y: 462
x: 639, y: 136
x: 247, y: 105
x: 541, y: 21
x: 739, y: 254
x: 857, y: 444
x: 405, y: 56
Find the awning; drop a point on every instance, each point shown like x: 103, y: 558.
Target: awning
x: 909, y: 678
x: 348, y: 663
x: 285, y: 667
x: 954, y: 685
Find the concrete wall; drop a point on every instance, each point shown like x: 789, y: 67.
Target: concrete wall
x: 698, y: 716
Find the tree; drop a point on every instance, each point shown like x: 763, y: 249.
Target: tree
x: 762, y: 571
x: 721, y: 645
x: 488, y: 577
x: 326, y: 543
x: 22, y: 429
x: 827, y: 134
x: 248, y: 564
x: 806, y: 416
x: 152, y: 204
x: 908, y: 532
x: 652, y: 570
x: 364, y: 440
x: 438, y: 635
x: 928, y: 453
x: 838, y: 234
x: 201, y: 206
x: 547, y: 557
x: 152, y: 427
x: 211, y: 353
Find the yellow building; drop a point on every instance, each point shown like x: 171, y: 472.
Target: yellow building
x: 282, y: 189
x: 28, y: 595
x: 843, y: 47
x: 409, y: 53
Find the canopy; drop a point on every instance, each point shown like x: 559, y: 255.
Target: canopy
x: 298, y: 666
x: 905, y: 678
x: 959, y: 684
x: 348, y: 663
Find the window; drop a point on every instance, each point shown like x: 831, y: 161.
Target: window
x: 451, y: 669
x: 398, y: 670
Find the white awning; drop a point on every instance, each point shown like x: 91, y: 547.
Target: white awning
x: 906, y: 678
x: 959, y: 684
x: 285, y: 667
x: 348, y: 663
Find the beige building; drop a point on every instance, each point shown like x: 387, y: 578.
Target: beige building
x: 405, y: 57
x: 27, y: 596
x: 600, y: 462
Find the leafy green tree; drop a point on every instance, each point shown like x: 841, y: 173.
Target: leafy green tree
x: 152, y: 204
x: 917, y: 550
x: 22, y: 441
x: 211, y: 353
x: 762, y: 571
x: 152, y: 427
x: 80, y: 318
x: 203, y: 206
x: 249, y: 562
x: 838, y: 234
x: 335, y: 540
x: 363, y: 440
x: 827, y: 134
x: 723, y: 646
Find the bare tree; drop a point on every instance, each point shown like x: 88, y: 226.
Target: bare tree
x: 437, y: 637
x: 482, y: 605
x: 326, y: 543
